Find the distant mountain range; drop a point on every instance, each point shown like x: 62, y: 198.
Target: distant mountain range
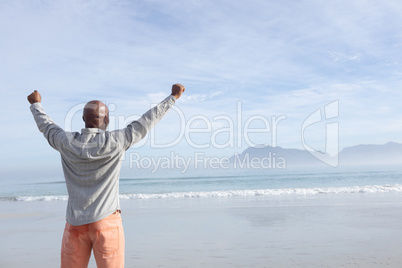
x: 387, y: 154
x: 359, y: 155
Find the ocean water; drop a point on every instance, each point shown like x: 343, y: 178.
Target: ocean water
x: 247, y: 183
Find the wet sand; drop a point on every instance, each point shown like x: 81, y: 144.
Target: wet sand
x: 355, y: 230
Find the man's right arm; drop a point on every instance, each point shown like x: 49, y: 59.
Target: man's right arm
x: 137, y: 130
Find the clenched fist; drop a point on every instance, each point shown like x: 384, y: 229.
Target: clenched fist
x: 177, y: 90
x: 34, y: 97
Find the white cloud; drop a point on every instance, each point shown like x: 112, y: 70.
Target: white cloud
x: 196, y: 98
x: 342, y: 57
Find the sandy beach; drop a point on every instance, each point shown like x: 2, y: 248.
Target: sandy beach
x: 359, y: 230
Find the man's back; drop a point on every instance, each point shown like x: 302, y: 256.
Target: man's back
x: 91, y: 161
x: 91, y: 165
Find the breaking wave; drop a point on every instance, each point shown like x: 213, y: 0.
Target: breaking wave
x: 232, y: 193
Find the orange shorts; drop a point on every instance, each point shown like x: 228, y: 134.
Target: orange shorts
x: 104, y: 237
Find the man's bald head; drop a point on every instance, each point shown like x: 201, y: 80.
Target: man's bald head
x: 96, y: 115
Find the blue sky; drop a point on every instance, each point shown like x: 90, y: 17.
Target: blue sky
x: 278, y: 58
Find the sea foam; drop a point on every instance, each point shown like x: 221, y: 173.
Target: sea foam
x: 240, y: 193
x: 270, y: 192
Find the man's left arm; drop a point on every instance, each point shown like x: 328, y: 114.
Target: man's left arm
x: 52, y: 132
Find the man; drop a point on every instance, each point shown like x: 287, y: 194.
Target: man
x: 91, y: 162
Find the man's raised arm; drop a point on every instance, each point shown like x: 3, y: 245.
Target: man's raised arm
x: 52, y: 132
x: 137, y: 129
